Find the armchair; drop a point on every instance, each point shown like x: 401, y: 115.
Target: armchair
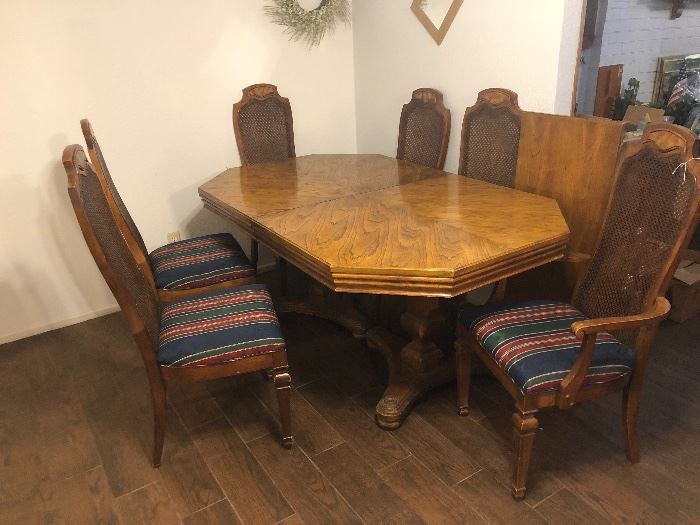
x: 548, y: 353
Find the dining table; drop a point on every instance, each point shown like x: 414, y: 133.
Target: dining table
x: 371, y: 224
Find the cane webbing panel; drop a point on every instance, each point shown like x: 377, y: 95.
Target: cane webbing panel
x: 648, y: 208
x: 118, y: 199
x: 123, y: 265
x: 422, y: 138
x: 490, y: 145
x: 264, y: 130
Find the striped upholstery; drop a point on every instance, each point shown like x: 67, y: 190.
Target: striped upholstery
x: 219, y: 327
x: 199, y: 262
x: 533, y: 343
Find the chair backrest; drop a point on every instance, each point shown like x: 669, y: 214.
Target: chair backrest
x: 262, y: 122
x: 424, y: 129
x: 650, y: 219
x: 100, y: 167
x: 490, y: 138
x: 110, y: 249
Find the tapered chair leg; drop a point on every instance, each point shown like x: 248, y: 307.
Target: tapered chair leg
x: 464, y: 376
x: 254, y: 253
x: 283, y: 387
x: 630, y: 411
x: 524, y: 428
x: 159, y: 420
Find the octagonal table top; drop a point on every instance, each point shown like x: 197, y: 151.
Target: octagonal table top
x: 375, y: 224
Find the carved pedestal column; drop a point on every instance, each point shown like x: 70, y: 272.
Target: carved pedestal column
x: 417, y: 366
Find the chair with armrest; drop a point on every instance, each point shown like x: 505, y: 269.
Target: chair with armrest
x: 490, y: 138
x: 264, y: 129
x: 207, y: 336
x: 179, y: 269
x: 424, y: 129
x: 548, y: 353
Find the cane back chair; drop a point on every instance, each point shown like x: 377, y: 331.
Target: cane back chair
x: 490, y: 138
x: 179, y: 269
x: 264, y: 129
x: 207, y: 336
x: 548, y: 353
x: 424, y: 129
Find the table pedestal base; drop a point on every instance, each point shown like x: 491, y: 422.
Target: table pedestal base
x: 416, y: 367
x: 321, y: 302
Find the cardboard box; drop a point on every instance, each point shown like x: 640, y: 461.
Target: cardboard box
x: 640, y: 113
x: 685, y: 297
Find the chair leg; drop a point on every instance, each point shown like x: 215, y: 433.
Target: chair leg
x: 282, y: 264
x: 524, y: 427
x: 283, y: 387
x: 254, y: 253
x: 159, y: 420
x: 464, y: 376
x: 630, y: 411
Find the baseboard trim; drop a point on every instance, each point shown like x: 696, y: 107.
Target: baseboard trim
x: 58, y: 324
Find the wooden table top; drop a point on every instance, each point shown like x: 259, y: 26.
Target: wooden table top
x: 374, y: 224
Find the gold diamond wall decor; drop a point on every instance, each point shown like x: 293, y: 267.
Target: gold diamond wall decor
x: 436, y: 16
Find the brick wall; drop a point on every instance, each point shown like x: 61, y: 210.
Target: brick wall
x: 638, y: 32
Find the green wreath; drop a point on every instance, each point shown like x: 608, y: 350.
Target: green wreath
x: 312, y: 25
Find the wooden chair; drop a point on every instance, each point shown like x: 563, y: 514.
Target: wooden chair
x: 548, y: 353
x: 264, y: 129
x: 424, y: 129
x: 207, y: 336
x: 183, y: 268
x: 490, y: 138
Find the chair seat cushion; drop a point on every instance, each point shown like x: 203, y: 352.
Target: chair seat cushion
x: 198, y: 262
x: 533, y: 343
x: 219, y: 327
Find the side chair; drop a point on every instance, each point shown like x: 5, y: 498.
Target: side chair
x: 207, y: 336
x: 179, y: 269
x: 554, y: 354
x: 489, y: 144
x: 424, y: 129
x: 264, y: 129
x: 491, y: 137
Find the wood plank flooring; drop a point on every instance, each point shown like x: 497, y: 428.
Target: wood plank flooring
x: 76, y: 436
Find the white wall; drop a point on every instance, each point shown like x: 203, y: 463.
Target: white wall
x: 157, y: 80
x: 638, y: 32
x: 528, y: 46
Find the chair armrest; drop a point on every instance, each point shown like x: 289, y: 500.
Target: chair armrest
x: 656, y: 313
x: 588, y: 331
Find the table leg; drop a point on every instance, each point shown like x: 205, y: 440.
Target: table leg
x: 321, y: 302
x: 416, y: 367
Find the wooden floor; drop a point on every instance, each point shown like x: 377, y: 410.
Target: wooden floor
x: 75, y: 441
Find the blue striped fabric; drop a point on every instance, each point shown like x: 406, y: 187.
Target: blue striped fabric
x: 219, y: 327
x: 533, y: 343
x: 198, y: 262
